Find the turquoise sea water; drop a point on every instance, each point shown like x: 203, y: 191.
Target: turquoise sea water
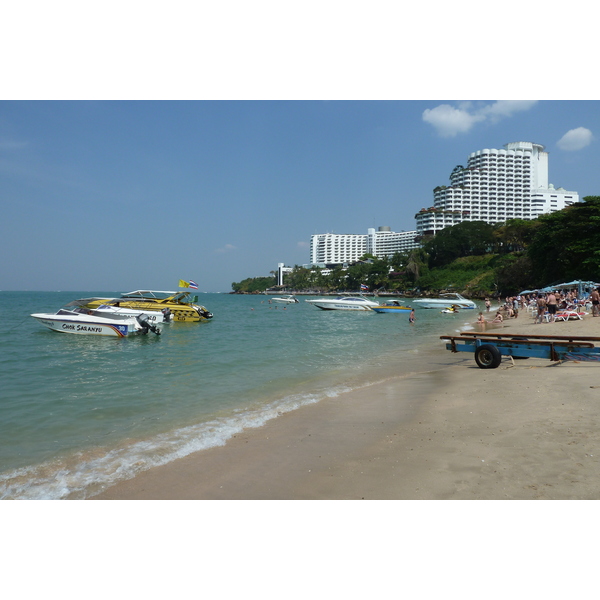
x: 79, y: 413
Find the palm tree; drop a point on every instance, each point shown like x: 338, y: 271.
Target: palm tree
x: 417, y: 259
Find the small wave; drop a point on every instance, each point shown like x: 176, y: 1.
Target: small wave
x: 86, y: 474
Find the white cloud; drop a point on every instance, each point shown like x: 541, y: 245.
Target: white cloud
x: 226, y: 248
x: 575, y: 139
x: 450, y: 121
x: 505, y: 108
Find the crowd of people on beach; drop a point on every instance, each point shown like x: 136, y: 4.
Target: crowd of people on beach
x: 544, y: 306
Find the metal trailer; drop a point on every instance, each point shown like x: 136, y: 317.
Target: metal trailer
x: 490, y: 347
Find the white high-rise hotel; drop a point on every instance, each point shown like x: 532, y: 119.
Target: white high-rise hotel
x: 496, y: 185
x: 339, y: 248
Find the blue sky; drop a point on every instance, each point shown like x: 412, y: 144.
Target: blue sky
x: 209, y: 141
x: 120, y: 195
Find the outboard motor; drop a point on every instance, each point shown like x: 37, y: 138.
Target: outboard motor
x: 167, y: 315
x: 146, y: 325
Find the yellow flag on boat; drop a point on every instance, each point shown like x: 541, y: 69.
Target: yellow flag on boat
x: 188, y: 284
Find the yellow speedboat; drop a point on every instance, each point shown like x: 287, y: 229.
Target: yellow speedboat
x: 182, y: 305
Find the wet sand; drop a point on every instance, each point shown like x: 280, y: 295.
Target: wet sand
x: 526, y: 430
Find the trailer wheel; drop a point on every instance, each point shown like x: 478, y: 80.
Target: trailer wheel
x: 523, y: 339
x: 488, y: 357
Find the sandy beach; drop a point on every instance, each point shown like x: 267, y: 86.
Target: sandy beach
x: 526, y: 430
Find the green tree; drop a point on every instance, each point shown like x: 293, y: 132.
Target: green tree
x: 469, y: 238
x: 416, y: 264
x: 566, y: 244
x: 254, y: 284
x: 298, y: 279
x: 514, y: 235
x: 513, y: 273
x: 373, y: 273
x: 337, y: 279
x: 398, y: 261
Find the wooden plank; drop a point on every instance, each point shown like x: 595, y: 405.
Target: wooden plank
x: 531, y: 336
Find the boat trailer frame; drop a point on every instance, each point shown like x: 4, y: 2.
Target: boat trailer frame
x: 490, y: 347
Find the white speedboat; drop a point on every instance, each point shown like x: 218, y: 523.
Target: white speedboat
x: 81, y: 321
x: 344, y: 303
x: 291, y: 299
x: 444, y: 301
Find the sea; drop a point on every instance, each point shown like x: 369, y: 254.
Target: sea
x: 81, y: 413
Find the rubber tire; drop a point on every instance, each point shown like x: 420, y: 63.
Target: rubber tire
x: 488, y: 356
x: 524, y: 339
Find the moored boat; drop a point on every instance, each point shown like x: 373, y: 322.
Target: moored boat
x: 291, y: 299
x: 344, y: 303
x: 444, y: 301
x: 109, y: 310
x: 392, y: 306
x: 182, y: 305
x: 82, y: 321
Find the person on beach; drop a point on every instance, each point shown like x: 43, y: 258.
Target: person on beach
x: 552, y: 303
x: 498, y: 318
x: 541, y: 309
x: 481, y: 321
x: 595, y: 298
x: 488, y: 305
x: 411, y: 316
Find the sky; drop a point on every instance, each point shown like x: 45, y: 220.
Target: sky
x: 116, y: 182
x: 122, y: 195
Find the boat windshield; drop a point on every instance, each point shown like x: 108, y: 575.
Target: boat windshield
x: 185, y: 298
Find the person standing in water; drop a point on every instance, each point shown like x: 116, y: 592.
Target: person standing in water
x: 411, y: 317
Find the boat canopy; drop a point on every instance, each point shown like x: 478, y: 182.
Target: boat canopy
x: 154, y: 294
x: 86, y: 301
x: 181, y: 297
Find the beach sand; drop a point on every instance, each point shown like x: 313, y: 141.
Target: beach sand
x: 526, y: 430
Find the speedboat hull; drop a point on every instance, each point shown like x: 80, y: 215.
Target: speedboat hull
x: 433, y: 304
x: 444, y: 301
x: 332, y: 306
x: 344, y: 303
x: 92, y: 325
x: 286, y: 299
x: 391, y: 309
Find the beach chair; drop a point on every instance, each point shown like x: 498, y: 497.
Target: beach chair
x: 565, y: 315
